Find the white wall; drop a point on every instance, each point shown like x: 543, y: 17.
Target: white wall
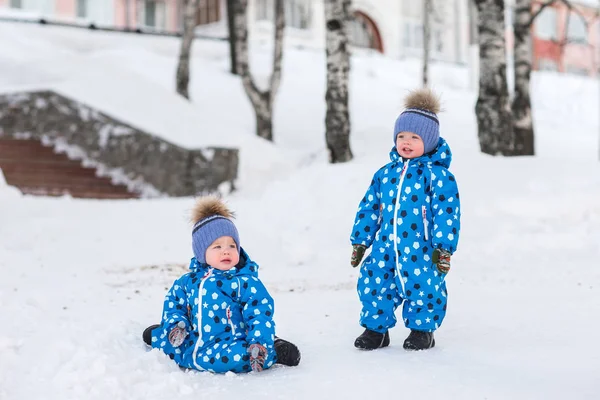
x: 389, y: 18
x: 313, y: 37
x: 101, y: 12
x: 44, y: 7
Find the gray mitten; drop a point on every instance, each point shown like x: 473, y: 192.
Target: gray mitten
x: 358, y: 252
x: 258, y: 354
x: 441, y: 260
x: 178, y: 334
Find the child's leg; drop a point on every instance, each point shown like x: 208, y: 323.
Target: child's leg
x: 230, y: 356
x: 147, y: 334
x: 425, y: 305
x: 378, y: 294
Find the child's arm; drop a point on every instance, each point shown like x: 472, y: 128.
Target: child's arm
x: 445, y: 205
x: 175, y: 322
x: 367, y: 221
x: 258, y: 309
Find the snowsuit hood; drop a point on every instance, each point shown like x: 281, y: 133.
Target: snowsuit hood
x: 244, y: 267
x: 441, y: 155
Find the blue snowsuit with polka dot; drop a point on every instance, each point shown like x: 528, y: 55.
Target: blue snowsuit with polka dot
x: 411, y: 208
x: 224, y: 312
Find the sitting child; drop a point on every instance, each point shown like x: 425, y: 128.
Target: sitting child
x: 219, y: 316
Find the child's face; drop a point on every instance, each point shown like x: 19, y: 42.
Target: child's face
x: 222, y: 254
x: 409, y: 145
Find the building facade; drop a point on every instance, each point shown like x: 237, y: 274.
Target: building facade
x: 565, y: 40
x: 392, y: 27
x: 159, y: 15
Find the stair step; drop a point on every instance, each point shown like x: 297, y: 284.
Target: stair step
x: 54, y: 159
x: 76, y: 189
x: 83, y: 194
x: 38, y: 170
x: 48, y: 169
x: 42, y: 150
x: 60, y: 181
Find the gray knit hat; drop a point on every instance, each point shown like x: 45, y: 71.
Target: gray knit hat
x: 212, y: 219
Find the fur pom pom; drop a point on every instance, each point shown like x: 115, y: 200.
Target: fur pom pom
x: 207, y: 206
x: 423, y: 99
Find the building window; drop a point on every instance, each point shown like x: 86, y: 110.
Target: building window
x: 413, y: 24
x: 297, y: 14
x: 209, y: 11
x: 82, y: 7
x: 546, y: 64
x: 154, y: 14
x: 577, y: 31
x: 545, y: 24
x: 413, y: 34
x: 364, y: 33
x: 577, y: 70
x: 264, y: 10
x: 438, y: 40
x: 16, y: 4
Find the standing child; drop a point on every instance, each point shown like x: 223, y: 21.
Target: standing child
x: 219, y: 316
x: 411, y: 216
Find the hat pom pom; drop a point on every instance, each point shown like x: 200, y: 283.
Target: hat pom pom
x: 423, y: 99
x: 208, y: 206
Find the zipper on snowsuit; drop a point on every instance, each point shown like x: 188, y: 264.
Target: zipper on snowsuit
x: 229, y: 321
x: 396, y: 208
x: 425, y: 222
x: 199, y: 318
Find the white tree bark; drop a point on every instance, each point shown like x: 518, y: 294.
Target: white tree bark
x: 337, y: 117
x: 521, y: 103
x: 262, y: 100
x: 182, y: 78
x: 427, y: 15
x: 494, y: 119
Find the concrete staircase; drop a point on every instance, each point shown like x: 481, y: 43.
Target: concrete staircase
x: 37, y: 170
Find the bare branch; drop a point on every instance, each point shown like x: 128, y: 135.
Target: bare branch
x: 538, y: 12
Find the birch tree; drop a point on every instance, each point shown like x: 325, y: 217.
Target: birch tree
x: 427, y: 14
x: 262, y: 100
x: 337, y: 117
x: 521, y: 102
x: 182, y: 79
x: 494, y: 120
x: 231, y: 30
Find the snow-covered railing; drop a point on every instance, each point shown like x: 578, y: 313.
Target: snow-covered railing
x: 44, y: 20
x: 146, y: 163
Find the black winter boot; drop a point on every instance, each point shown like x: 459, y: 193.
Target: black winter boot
x: 147, y: 335
x: 371, y: 340
x: 287, y: 352
x: 419, y: 340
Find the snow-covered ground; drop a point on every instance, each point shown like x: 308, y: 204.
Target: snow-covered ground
x: 81, y: 279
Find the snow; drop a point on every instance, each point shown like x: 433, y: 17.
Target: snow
x: 81, y: 279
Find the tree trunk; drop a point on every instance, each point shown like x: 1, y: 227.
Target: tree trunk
x: 231, y: 29
x: 183, y: 68
x: 262, y: 101
x: 427, y: 13
x: 337, y: 117
x: 494, y: 119
x: 521, y: 104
